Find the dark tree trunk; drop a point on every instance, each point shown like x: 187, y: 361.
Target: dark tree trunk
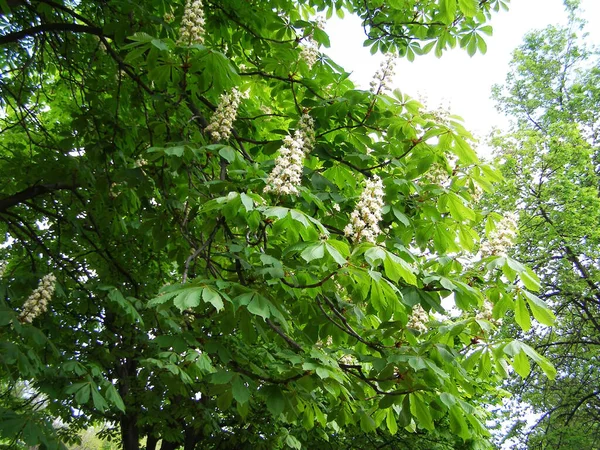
x: 151, y: 442
x: 130, y: 433
x: 191, y: 439
x: 166, y: 445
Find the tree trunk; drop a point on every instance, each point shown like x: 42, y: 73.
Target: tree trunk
x: 166, y: 445
x: 151, y: 442
x: 130, y: 434
x: 191, y: 439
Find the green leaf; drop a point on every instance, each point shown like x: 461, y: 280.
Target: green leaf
x: 125, y: 304
x: 390, y: 421
x: 458, y: 210
x: 540, y: 360
x: 212, y: 297
x: 229, y: 154
x: 99, y: 402
x: 292, y: 442
x: 316, y: 251
x: 396, y: 268
x: 188, y: 298
x: 458, y: 425
x: 367, y: 424
x: 335, y: 254
x: 113, y: 397
x: 260, y: 306
x: 247, y: 202
x: 542, y: 313
x: 465, y: 153
x: 221, y: 377
x: 468, y: 7
x: 420, y: 410
x: 275, y: 402
x: 224, y: 400
x: 522, y: 314
x: 308, y: 418
x: 241, y: 394
x: 521, y: 364
x: 448, y: 11
x: 401, y: 216
x: 83, y: 394
x: 530, y: 280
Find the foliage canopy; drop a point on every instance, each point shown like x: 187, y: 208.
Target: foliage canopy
x: 551, y: 165
x: 191, y: 305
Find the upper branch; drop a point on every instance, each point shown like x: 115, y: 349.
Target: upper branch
x: 33, y: 191
x: 48, y: 27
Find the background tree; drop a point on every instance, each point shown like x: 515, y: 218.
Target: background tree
x: 229, y: 240
x: 550, y: 160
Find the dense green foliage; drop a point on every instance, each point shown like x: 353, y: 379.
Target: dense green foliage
x: 192, y: 304
x: 551, y: 162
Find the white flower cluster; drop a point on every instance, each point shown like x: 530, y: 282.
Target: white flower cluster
x: 37, y: 302
x: 348, y: 360
x: 486, y: 314
x: 286, y: 176
x: 192, y: 24
x: 222, y: 120
x: 419, y: 319
x: 310, y: 49
x: 364, y: 220
x: 476, y: 193
x: 310, y: 52
x: 287, y: 173
x: 306, y: 127
x: 437, y: 175
x: 382, y: 78
x: 502, y: 238
x: 328, y: 342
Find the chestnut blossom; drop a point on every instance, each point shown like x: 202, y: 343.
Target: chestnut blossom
x: 192, y: 24
x: 310, y: 52
x: 310, y: 49
x: 383, y: 77
x: 502, y: 238
x: 306, y: 127
x: 37, y: 302
x: 486, y: 314
x: 418, y: 319
x: 286, y: 176
x: 364, y: 220
x: 224, y: 116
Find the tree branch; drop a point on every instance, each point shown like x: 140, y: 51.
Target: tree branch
x: 31, y: 192
x: 48, y: 27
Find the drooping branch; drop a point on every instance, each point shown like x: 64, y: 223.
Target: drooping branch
x: 33, y: 191
x: 48, y: 27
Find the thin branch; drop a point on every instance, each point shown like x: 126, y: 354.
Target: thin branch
x: 292, y: 343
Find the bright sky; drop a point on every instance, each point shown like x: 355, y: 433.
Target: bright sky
x: 456, y: 80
